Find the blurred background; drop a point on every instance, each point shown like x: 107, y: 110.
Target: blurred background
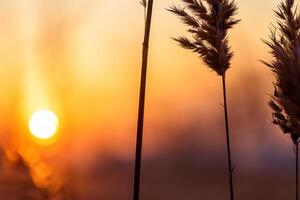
x: 82, y: 60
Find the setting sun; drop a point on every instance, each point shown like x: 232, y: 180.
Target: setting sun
x: 43, y: 124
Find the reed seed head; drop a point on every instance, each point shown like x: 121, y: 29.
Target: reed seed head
x: 284, y: 43
x: 208, y: 22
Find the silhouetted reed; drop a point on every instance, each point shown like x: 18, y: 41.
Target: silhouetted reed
x: 209, y: 22
x: 140, y: 124
x: 284, y: 43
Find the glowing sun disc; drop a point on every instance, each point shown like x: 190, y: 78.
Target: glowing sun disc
x: 43, y: 124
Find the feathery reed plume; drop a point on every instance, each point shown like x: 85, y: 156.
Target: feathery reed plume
x: 209, y: 22
x: 140, y: 124
x: 284, y: 43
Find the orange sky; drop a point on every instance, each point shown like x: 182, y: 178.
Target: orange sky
x: 82, y: 60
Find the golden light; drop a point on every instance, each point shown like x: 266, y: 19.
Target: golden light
x: 43, y: 124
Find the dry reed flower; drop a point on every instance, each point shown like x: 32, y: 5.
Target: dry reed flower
x: 208, y: 22
x: 285, y: 49
x: 284, y: 43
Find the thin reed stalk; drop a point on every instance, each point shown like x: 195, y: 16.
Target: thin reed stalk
x: 230, y: 169
x: 284, y: 43
x: 140, y: 124
x: 297, y: 169
x: 209, y: 22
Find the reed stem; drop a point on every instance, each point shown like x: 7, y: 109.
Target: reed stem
x: 230, y: 169
x: 297, y: 169
x: 140, y: 124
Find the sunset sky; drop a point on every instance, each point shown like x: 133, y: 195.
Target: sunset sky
x: 81, y: 59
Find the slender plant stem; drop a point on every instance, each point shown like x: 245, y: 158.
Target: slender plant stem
x: 230, y: 169
x: 297, y: 169
x: 140, y: 125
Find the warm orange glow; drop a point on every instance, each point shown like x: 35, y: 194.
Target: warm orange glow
x: 80, y: 61
x: 43, y: 124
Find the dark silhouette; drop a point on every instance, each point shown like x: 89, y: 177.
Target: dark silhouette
x: 297, y: 170
x: 140, y: 124
x: 209, y: 22
x: 285, y: 44
x: 230, y: 169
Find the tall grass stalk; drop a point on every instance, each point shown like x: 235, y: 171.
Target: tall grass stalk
x: 284, y: 43
x: 209, y: 22
x: 230, y: 169
x: 140, y: 124
x: 297, y: 170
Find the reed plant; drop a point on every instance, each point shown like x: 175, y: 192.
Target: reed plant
x: 148, y: 5
x: 284, y: 44
x: 208, y: 23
